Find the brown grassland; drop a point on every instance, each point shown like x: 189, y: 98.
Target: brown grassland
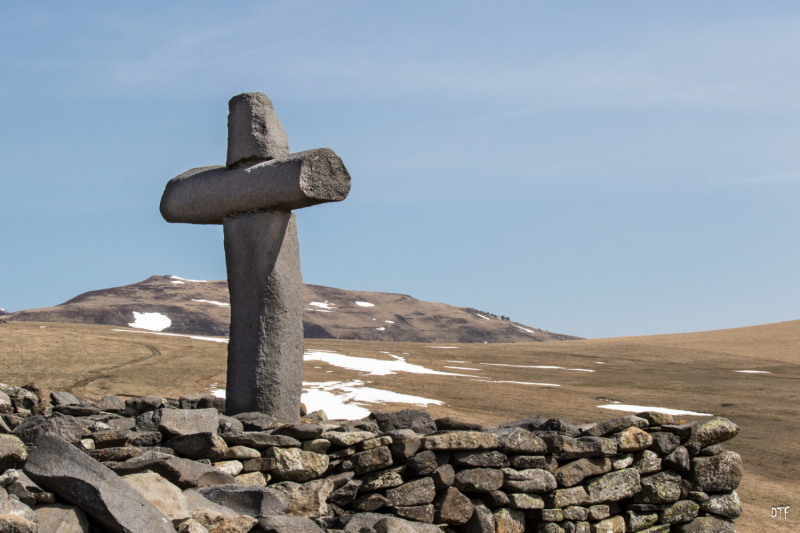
x: 691, y: 371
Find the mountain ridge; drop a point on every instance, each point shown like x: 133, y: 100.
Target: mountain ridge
x: 199, y: 307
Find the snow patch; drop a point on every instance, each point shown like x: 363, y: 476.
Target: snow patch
x: 389, y: 321
x: 177, y: 282
x: 643, y: 408
x: 381, y: 328
x: 523, y: 329
x: 323, y: 305
x: 518, y: 382
x: 463, y: 368
x: 191, y: 280
x: 213, y: 302
x: 753, y: 371
x: 150, y: 321
x: 444, y: 347
x: 376, y: 367
x: 483, y: 317
x: 365, y: 304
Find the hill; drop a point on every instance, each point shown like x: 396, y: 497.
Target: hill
x: 177, y: 305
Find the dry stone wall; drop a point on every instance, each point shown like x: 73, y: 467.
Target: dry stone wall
x: 149, y: 464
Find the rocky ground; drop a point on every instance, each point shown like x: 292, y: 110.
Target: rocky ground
x: 148, y: 464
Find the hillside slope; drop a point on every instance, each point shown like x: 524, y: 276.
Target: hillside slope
x: 177, y: 305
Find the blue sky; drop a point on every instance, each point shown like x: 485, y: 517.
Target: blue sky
x: 597, y: 169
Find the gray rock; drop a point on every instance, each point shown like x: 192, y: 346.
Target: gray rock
x: 647, y: 462
x: 488, y: 459
x: 66, y: 427
x: 567, y: 448
x: 17, y: 524
x: 371, y: 460
x: 452, y: 424
x: 633, y: 439
x: 143, y: 404
x: 532, y: 480
x: 184, y: 473
x: 571, y: 496
x: 228, y: 424
x: 416, y: 420
x: 617, y: 424
x: 246, y: 499
x: 64, y: 398
x: 256, y: 421
x: 664, y: 443
x: 199, y: 446
x: 719, y: 473
x: 303, y: 431
x: 346, y: 493
x: 343, y: 439
x: 418, y: 492
x: 444, y: 476
x: 370, y: 502
x: 680, y: 512
x: 519, y: 441
x: 419, y: 513
x: 164, y: 496
x: 453, y: 508
x: 482, y: 520
x: 111, y: 404
x: 460, y: 440
x: 56, y: 518
x: 655, y: 418
x: 382, y: 479
x: 306, y: 499
x: 615, y: 524
x: 255, y: 133
x: 176, y: 422
x: 707, y: 524
x: 576, y: 471
x: 405, y: 443
x: 664, y: 487
x: 509, y: 521
x: 422, y: 464
x: 638, y: 521
x: 12, y: 452
x: 712, y: 432
x: 520, y: 500
x: 614, y: 486
x: 288, y: 524
x: 61, y: 468
x: 294, y: 464
x: 727, y: 505
x: 479, y: 480
x: 678, y: 460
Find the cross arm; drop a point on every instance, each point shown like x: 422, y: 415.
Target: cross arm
x: 208, y: 195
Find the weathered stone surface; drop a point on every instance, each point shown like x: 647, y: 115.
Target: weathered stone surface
x: 680, y: 512
x: 683, y: 431
x: 12, y: 452
x: 678, y: 460
x: 199, y: 446
x: 405, y: 443
x: 258, y: 479
x: 17, y: 524
x: 615, y: 524
x: 576, y: 448
x: 519, y: 441
x: 56, y: 518
x: 719, y: 473
x: 233, y: 468
x: 66, y: 427
x: 419, y: 513
x: 449, y: 423
x: 452, y: 507
x: 479, y: 480
x: 460, y: 440
x: 164, y: 496
x: 347, y: 438
x: 182, y: 472
x: 520, y: 500
x: 664, y: 487
x: 531, y: 480
x: 444, y: 476
x: 422, y: 464
x: 707, y: 524
x: 482, y: 520
x: 418, y: 492
x: 58, y: 466
x: 190, y: 525
x: 370, y: 502
x: 371, y: 460
x: 256, y: 421
x: 64, y: 398
x: 727, y: 505
x: 288, y: 524
x: 664, y: 443
x: 255, y: 133
x: 142, y: 404
x: 712, y: 432
x: 509, y: 521
x: 294, y: 464
x: 576, y: 471
x: 488, y: 459
x: 383, y: 479
x: 633, y: 439
x: 615, y: 425
x: 637, y: 521
x: 647, y: 462
x: 416, y: 420
x: 111, y: 404
x: 245, y: 499
x: 614, y: 486
x: 175, y: 422
x: 238, y: 524
x: 306, y: 499
x: 240, y: 453
x: 571, y: 496
x: 360, y: 522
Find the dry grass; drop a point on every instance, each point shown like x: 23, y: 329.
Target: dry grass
x: 694, y: 371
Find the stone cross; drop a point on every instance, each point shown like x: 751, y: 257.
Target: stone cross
x: 253, y: 197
